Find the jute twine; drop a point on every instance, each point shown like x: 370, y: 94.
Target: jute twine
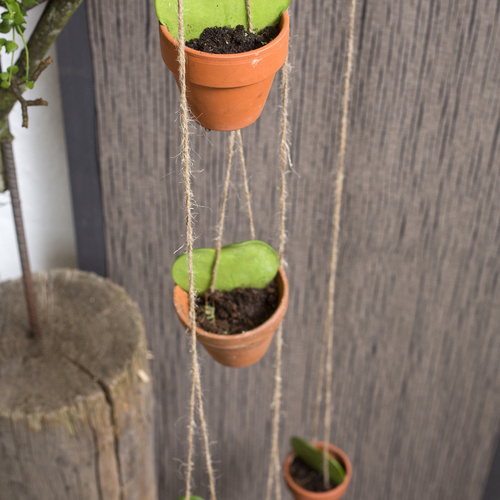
x: 328, y: 332
x: 196, y: 398
x: 225, y: 197
x: 245, y: 183
x: 223, y: 211
x: 274, y: 471
x: 249, y: 16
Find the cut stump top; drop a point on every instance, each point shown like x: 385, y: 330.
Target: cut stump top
x: 91, y: 332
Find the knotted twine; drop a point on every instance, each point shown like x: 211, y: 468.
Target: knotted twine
x: 328, y: 332
x: 196, y: 397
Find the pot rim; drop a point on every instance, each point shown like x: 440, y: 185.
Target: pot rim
x: 232, y: 58
x: 238, y: 338
x: 338, y: 454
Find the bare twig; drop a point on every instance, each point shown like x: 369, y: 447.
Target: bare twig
x: 30, y: 102
x: 41, y: 67
x: 25, y: 103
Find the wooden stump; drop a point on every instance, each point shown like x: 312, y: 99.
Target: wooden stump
x: 76, y: 408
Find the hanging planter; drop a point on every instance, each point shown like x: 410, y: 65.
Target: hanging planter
x: 340, y: 470
x: 260, y: 266
x: 226, y: 91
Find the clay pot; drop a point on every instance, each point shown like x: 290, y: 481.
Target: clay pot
x: 337, y: 492
x: 227, y: 91
x: 242, y: 349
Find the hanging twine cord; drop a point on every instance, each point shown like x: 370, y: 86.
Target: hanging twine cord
x: 188, y: 196
x: 225, y: 198
x: 245, y: 182
x: 226, y: 183
x: 274, y: 471
x: 249, y: 16
x: 319, y: 387
x: 339, y: 184
x: 285, y: 90
x: 223, y: 211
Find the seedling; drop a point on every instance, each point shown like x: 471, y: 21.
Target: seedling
x: 210, y: 312
x: 201, y: 14
x: 313, y: 457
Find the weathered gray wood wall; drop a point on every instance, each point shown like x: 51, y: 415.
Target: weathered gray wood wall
x: 416, y: 383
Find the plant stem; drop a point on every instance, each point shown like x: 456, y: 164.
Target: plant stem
x: 29, y: 290
x: 55, y: 16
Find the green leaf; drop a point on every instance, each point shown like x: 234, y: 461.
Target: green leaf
x: 15, y: 8
x: 314, y: 458
x: 13, y: 69
x: 8, y: 17
x: 30, y: 84
x: 201, y: 14
x: 5, y: 85
x: 19, y: 19
x: 250, y: 264
x: 10, y: 46
x: 5, y: 26
x: 4, y: 76
x: 29, y: 3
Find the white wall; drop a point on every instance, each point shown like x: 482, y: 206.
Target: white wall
x: 42, y: 169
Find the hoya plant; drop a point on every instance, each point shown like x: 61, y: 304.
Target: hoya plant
x: 249, y: 264
x: 313, y: 457
x: 201, y: 14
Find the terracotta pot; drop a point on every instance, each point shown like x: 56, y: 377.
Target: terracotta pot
x: 227, y: 91
x: 242, y: 349
x: 337, y: 492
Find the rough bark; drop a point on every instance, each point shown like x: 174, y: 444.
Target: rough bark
x: 76, y: 407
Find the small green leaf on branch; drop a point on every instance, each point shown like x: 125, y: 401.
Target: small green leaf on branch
x: 10, y: 46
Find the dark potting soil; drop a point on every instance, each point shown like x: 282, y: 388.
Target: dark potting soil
x: 306, y: 477
x: 237, y: 311
x: 232, y: 40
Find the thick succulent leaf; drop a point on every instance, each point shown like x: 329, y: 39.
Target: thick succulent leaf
x: 250, y: 264
x: 201, y: 14
x: 314, y: 458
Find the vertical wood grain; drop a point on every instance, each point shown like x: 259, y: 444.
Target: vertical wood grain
x: 416, y: 385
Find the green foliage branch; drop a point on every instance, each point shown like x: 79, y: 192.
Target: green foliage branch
x: 30, y: 62
x: 13, y: 20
